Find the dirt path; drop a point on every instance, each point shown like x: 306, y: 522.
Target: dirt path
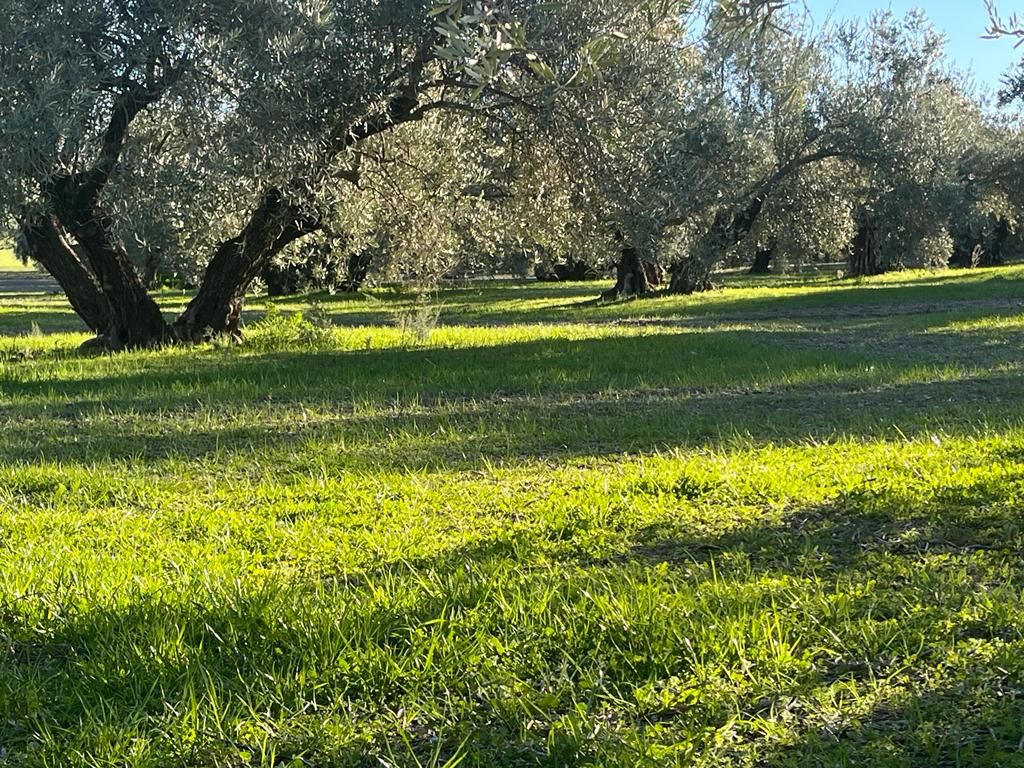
x: 26, y: 281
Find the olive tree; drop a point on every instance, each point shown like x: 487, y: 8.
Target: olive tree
x: 231, y: 124
x: 860, y: 139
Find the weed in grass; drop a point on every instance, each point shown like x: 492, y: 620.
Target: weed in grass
x: 302, y: 330
x: 417, y: 323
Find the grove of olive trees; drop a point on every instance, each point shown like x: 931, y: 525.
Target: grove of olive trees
x: 311, y: 144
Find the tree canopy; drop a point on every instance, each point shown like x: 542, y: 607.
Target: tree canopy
x: 212, y: 141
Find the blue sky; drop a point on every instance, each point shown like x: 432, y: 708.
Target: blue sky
x: 962, y: 21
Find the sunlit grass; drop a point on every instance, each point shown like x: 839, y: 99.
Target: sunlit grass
x: 759, y: 528
x: 8, y: 261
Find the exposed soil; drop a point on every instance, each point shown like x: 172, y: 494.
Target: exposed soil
x: 27, y: 281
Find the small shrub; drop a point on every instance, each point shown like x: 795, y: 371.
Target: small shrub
x: 315, y: 327
x: 417, y: 323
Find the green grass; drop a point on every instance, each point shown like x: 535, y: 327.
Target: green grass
x: 8, y: 262
x: 777, y: 524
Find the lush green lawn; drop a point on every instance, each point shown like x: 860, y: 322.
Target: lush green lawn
x: 769, y: 525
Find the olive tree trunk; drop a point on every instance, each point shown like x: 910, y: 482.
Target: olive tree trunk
x: 693, y: 273
x: 633, y: 276
x: 762, y: 262
x: 49, y: 246
x: 865, y: 254
x: 135, y: 318
x: 217, y: 307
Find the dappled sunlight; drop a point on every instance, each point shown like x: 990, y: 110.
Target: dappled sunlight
x: 665, y: 577
x: 909, y: 293
x: 800, y: 535
x: 508, y: 385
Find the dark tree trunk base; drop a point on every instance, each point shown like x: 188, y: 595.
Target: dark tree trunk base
x: 279, y: 280
x: 217, y: 309
x: 135, y: 318
x: 762, y: 262
x: 572, y: 271
x: 689, y: 276
x: 864, y: 253
x: 357, y: 270
x: 972, y: 251
x: 634, y: 277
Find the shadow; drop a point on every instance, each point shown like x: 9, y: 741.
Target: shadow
x: 230, y: 672
x: 829, y: 299
x: 972, y: 717
x: 502, y: 302
x: 913, y: 629
x: 25, y: 321
x: 852, y: 532
x: 243, y: 676
x: 443, y: 407
x: 513, y: 657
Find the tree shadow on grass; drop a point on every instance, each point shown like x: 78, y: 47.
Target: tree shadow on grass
x: 457, y: 407
x: 955, y: 695
x: 468, y: 433
x: 916, y: 296
x: 294, y: 658
x: 475, y: 304
x: 241, y: 667
x: 26, y: 322
x: 194, y: 685
x: 973, y: 716
x: 855, y: 529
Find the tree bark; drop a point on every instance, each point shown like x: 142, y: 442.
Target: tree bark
x: 47, y: 245
x: 762, y: 262
x: 632, y: 276
x: 976, y: 249
x: 217, y: 308
x: 572, y: 270
x: 864, y: 253
x: 690, y: 275
x: 693, y: 273
x: 135, y: 318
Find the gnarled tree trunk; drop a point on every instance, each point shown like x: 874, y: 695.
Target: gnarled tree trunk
x: 572, y: 270
x: 865, y: 258
x: 135, y: 318
x: 217, y: 308
x: 972, y: 248
x: 633, y: 276
x: 693, y: 273
x: 151, y: 274
x: 280, y: 280
x: 49, y: 246
x: 690, y: 275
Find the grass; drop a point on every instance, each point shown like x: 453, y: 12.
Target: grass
x: 8, y: 261
x: 769, y: 525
